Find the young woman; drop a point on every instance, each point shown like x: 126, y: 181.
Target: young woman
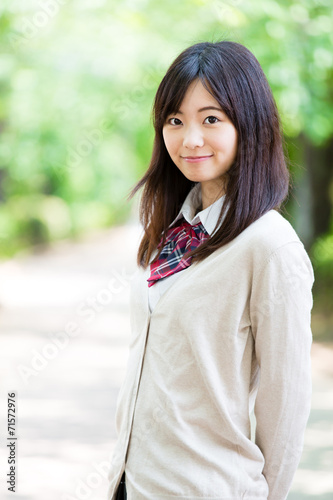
x: 221, y: 300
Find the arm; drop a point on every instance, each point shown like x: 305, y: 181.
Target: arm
x: 281, y: 303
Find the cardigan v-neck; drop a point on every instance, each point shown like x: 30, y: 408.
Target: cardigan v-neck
x: 208, y: 218
x: 233, y: 336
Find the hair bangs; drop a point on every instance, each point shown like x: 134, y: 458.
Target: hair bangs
x: 219, y: 91
x: 173, y: 88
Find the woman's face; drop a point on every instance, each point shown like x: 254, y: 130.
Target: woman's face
x: 200, y: 138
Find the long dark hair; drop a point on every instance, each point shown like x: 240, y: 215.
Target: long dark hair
x: 258, y: 181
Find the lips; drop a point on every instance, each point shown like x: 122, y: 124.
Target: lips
x: 195, y: 159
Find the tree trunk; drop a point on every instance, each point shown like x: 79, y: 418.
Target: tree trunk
x: 319, y: 162
x: 311, y: 200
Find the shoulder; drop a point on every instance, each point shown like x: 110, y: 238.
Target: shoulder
x: 270, y: 232
x: 271, y: 240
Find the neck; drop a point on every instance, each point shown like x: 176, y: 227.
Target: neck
x: 210, y: 192
x: 199, y: 208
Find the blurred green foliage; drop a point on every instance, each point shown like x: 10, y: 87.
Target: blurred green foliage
x: 77, y: 81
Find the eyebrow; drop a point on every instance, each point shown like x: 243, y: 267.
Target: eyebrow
x: 206, y: 108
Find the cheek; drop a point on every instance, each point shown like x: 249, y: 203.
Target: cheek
x: 228, y: 144
x: 170, y: 143
x: 165, y: 139
x: 235, y: 144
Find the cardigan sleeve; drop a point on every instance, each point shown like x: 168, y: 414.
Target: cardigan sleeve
x: 280, y: 308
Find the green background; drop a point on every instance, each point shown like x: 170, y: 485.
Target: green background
x: 77, y: 82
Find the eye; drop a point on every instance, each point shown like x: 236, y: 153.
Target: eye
x: 174, y: 121
x: 211, y: 119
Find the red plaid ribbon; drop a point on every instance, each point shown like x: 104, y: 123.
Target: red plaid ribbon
x: 179, y: 240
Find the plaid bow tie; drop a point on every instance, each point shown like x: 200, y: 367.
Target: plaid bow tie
x: 179, y: 240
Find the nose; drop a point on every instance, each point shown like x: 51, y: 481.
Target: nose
x: 192, y: 138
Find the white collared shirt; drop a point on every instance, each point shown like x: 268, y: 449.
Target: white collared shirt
x: 208, y: 218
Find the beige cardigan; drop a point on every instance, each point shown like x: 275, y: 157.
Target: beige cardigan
x: 233, y: 333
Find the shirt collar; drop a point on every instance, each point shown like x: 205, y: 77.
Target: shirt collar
x: 208, y: 217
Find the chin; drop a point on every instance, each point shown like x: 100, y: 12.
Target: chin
x: 194, y: 178
x: 198, y: 178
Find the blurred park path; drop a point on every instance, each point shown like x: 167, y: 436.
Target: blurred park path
x: 64, y: 320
